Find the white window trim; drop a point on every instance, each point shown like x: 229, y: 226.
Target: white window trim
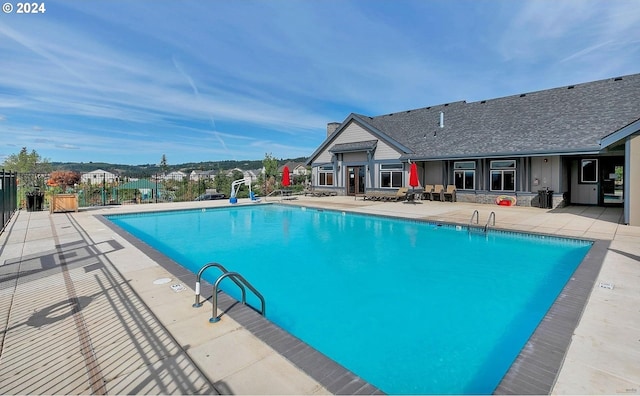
x: 460, y: 168
x: 502, y: 170
x: 391, y: 169
x: 325, y: 170
x: 582, y: 171
x: 464, y: 177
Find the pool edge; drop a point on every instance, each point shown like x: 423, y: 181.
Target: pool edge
x: 328, y: 373
x: 537, y: 366
x: 535, y: 369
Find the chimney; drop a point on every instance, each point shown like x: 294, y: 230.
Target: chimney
x: 331, y: 128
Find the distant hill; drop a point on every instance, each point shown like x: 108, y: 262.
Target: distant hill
x: 147, y: 170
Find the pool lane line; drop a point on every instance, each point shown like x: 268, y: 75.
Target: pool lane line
x: 96, y: 381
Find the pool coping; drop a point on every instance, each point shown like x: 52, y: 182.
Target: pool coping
x: 534, y: 371
x: 328, y: 373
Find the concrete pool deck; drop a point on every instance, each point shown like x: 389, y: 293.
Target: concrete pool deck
x: 84, y: 310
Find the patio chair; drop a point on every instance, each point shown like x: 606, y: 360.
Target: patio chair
x: 400, y: 195
x: 450, y: 193
x: 428, y: 189
x: 437, y: 193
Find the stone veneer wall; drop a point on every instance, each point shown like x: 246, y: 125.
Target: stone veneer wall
x: 523, y: 198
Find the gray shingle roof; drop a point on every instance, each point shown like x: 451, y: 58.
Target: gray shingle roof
x: 570, y: 119
x: 356, y: 146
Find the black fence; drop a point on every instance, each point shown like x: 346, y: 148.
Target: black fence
x: 8, y: 195
x: 34, y: 190
x: 106, y: 189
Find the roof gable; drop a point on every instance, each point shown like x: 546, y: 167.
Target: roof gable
x: 362, y: 121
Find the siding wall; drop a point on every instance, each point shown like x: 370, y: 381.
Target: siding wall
x: 349, y: 158
x: 433, y: 172
x: 546, y: 173
x: 355, y: 133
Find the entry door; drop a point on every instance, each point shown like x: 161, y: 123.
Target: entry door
x: 355, y: 180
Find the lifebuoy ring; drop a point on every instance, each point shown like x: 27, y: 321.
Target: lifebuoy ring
x: 506, y: 200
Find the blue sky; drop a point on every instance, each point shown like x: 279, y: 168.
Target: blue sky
x: 125, y: 81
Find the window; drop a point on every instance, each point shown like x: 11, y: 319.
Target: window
x: 589, y: 171
x: 464, y: 174
x: 325, y: 175
x: 391, y: 175
x: 503, y: 175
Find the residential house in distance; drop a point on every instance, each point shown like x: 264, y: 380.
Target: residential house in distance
x: 98, y: 176
x: 252, y: 174
x: 296, y: 168
x: 202, y: 175
x: 175, y: 175
x: 577, y: 144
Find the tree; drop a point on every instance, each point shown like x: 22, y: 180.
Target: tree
x: 270, y: 164
x: 64, y: 179
x: 25, y: 162
x: 268, y: 178
x: 163, y: 164
x: 222, y: 182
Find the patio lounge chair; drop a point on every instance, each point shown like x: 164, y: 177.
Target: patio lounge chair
x: 312, y: 191
x: 400, y: 195
x: 437, y: 193
x: 374, y: 195
x: 449, y: 193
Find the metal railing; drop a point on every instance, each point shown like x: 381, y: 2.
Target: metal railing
x: 492, y: 216
x: 238, y: 279
x: 8, y: 196
x: 476, y: 216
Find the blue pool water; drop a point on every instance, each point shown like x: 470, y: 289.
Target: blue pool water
x: 411, y: 307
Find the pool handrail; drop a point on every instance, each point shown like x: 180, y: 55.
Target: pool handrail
x: 197, y: 303
x: 238, y: 279
x: 233, y: 275
x: 492, y: 216
x: 476, y: 216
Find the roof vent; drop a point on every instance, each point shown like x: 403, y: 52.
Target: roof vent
x: 523, y: 95
x: 442, y: 119
x: 617, y: 79
x: 446, y: 104
x: 571, y: 86
x: 484, y: 101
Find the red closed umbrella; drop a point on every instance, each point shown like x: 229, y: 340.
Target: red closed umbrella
x: 413, y: 175
x: 285, y: 177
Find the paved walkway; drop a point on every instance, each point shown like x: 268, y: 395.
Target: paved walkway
x: 85, y: 311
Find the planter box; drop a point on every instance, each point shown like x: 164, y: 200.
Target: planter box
x: 64, y: 203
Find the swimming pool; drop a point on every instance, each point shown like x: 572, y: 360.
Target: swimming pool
x: 411, y: 307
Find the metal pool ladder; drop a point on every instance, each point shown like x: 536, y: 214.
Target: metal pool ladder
x: 476, y: 216
x: 492, y: 217
x: 238, y: 279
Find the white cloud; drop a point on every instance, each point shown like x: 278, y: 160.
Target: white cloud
x: 236, y: 79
